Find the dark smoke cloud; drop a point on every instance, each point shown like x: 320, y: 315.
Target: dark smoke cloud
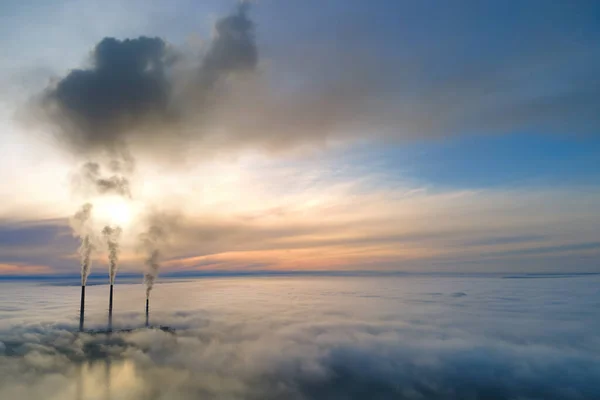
x: 350, y: 70
x: 124, y: 89
x: 91, y: 180
x: 134, y: 90
x: 233, y: 48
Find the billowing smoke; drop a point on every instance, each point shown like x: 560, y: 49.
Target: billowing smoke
x: 85, y: 252
x: 232, y: 49
x: 147, y: 95
x: 81, y: 224
x: 124, y: 87
x: 112, y: 236
x: 151, y: 274
x: 91, y: 179
x: 141, y: 90
x: 359, y: 74
x: 136, y: 89
x: 116, y: 184
x: 151, y: 242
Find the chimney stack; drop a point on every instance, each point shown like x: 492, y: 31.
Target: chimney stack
x: 147, y: 312
x: 82, y: 308
x: 110, y: 308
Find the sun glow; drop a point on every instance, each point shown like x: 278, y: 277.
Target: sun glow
x: 115, y: 211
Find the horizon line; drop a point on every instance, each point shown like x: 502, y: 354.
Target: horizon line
x: 275, y: 273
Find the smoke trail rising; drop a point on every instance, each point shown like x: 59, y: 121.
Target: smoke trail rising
x: 152, y: 267
x: 117, y: 184
x: 151, y: 242
x: 85, y: 251
x: 112, y: 235
x: 81, y: 227
x: 110, y: 178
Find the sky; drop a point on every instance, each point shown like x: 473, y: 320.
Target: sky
x: 301, y: 136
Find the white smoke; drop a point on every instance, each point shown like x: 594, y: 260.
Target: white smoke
x: 152, y: 266
x: 112, y: 236
x: 151, y: 242
x: 81, y: 225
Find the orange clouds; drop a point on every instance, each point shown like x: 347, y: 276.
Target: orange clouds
x: 24, y: 269
x: 255, y: 214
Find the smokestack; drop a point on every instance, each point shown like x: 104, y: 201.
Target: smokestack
x: 82, y: 308
x: 80, y: 224
x: 111, y: 235
x: 147, y: 311
x: 110, y: 308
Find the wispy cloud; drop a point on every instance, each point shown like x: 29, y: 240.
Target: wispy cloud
x: 24, y: 269
x: 301, y: 217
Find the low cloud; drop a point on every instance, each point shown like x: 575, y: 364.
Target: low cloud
x: 334, y: 354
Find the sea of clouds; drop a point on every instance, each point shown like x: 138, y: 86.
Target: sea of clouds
x: 407, y: 337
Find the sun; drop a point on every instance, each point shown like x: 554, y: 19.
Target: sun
x: 115, y: 211
x: 121, y: 214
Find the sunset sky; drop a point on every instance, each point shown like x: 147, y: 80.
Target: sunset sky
x: 420, y: 136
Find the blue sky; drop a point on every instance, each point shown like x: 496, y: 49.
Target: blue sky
x: 420, y: 136
x: 510, y: 160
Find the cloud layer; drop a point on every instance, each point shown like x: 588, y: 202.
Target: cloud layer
x: 347, y: 338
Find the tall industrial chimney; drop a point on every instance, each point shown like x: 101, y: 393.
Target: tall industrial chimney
x: 147, y: 311
x: 82, y: 308
x: 110, y: 308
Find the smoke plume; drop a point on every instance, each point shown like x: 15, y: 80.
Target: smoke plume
x: 91, y: 179
x: 232, y: 49
x: 125, y: 86
x: 80, y: 223
x: 135, y: 89
x: 151, y: 242
x: 112, y: 235
x: 151, y: 274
